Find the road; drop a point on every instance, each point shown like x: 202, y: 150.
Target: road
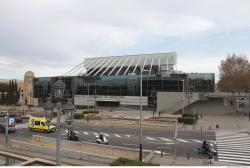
x: 186, y: 143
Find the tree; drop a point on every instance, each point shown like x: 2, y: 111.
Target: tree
x: 234, y: 74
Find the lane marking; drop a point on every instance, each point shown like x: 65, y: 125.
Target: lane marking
x: 86, y: 133
x: 117, y: 135
x: 195, y: 140
x: 149, y: 138
x: 182, y: 140
x: 165, y: 139
x: 128, y: 136
x: 96, y: 134
x: 130, y: 144
x: 107, y: 135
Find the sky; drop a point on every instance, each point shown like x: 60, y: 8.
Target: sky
x: 50, y: 37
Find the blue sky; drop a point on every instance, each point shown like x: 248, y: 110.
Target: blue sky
x: 51, y: 37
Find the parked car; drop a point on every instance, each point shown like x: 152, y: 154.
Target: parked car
x: 11, y: 126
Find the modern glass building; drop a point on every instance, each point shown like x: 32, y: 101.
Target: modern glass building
x: 117, y: 79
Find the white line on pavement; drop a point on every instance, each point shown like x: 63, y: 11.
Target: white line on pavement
x: 130, y: 144
x: 165, y: 139
x: 196, y: 140
x: 107, y: 135
x: 182, y: 140
x: 149, y: 138
x: 96, y: 134
x: 86, y: 133
x: 128, y: 136
x: 117, y: 135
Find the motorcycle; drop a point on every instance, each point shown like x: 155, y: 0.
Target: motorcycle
x: 208, y: 150
x: 101, y: 139
x: 72, y: 135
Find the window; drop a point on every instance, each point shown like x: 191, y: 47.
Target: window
x: 43, y: 124
x: 37, y: 122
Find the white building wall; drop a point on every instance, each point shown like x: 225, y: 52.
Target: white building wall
x: 124, y: 100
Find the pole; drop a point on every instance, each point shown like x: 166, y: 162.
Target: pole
x: 175, y: 136
x: 249, y: 106
x: 58, y: 140
x: 88, y: 96
x: 6, y: 129
x: 140, y: 156
x: 183, y: 95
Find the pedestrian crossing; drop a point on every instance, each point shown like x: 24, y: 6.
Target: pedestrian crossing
x: 163, y: 140
x: 233, y: 147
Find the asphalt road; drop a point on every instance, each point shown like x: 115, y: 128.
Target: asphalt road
x: 186, y: 143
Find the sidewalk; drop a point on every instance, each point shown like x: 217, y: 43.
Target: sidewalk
x: 169, y: 160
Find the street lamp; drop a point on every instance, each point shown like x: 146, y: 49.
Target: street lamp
x: 69, y: 110
x: 5, y: 96
x: 6, y: 128
x: 30, y: 94
x: 183, y: 95
x: 59, y: 88
x: 48, y: 107
x: 140, y: 155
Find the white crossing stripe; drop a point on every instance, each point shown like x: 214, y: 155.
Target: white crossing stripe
x: 128, y: 136
x: 195, y: 140
x: 149, y: 138
x: 165, y: 139
x: 117, y: 135
x: 107, y: 135
x: 96, y: 134
x: 182, y: 140
x: 86, y: 133
x: 233, y: 147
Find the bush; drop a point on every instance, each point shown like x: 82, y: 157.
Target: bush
x: 129, y: 162
x: 78, y: 116
x: 90, y: 112
x: 188, y: 120
x: 83, y: 107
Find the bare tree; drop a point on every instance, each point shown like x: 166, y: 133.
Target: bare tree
x: 234, y: 74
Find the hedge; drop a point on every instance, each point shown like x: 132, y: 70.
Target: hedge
x: 129, y: 162
x: 90, y: 112
x: 78, y: 116
x: 188, y: 118
x: 83, y: 107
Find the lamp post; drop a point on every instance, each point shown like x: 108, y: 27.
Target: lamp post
x: 1, y: 97
x: 5, y: 96
x: 6, y: 129
x: 49, y: 108
x: 30, y: 94
x: 140, y: 155
x: 59, y: 88
x: 183, y: 95
x: 15, y: 99
x: 69, y: 110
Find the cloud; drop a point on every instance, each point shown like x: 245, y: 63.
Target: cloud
x: 50, y: 37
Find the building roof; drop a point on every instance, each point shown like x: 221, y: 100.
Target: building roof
x: 125, y: 65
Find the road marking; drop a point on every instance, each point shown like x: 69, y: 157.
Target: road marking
x: 154, y: 143
x: 170, y: 143
x: 128, y: 136
x: 163, y: 147
x: 182, y: 140
x: 149, y: 138
x: 89, y: 140
x: 195, y: 140
x: 86, y: 133
x: 117, y: 135
x: 96, y: 134
x: 123, y: 130
x: 130, y: 144
x: 165, y: 139
x: 63, y: 134
x: 107, y: 135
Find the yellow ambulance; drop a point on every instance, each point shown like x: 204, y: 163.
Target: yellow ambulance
x: 40, y: 124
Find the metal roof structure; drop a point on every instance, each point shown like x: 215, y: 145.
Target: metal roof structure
x: 125, y: 65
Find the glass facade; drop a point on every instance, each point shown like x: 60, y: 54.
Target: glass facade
x: 128, y: 85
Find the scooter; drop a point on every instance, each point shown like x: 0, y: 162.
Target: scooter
x: 101, y: 139
x: 209, y: 150
x: 72, y: 135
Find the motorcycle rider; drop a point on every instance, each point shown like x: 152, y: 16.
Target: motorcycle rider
x: 101, y: 137
x: 205, y: 146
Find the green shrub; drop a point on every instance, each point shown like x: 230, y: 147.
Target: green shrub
x: 188, y: 120
x: 83, y: 107
x: 78, y: 116
x: 129, y: 162
x: 54, y: 115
